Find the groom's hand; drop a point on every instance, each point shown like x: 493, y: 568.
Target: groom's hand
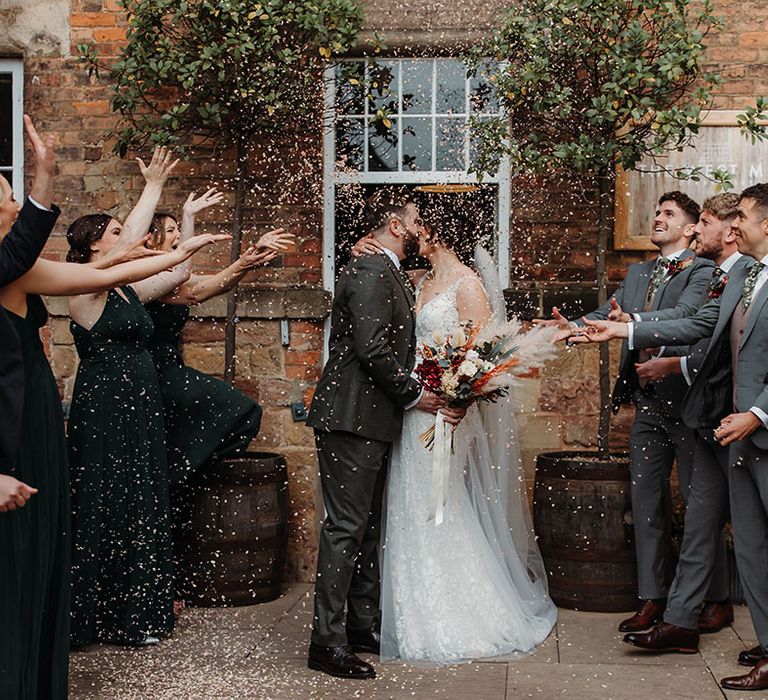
x: 429, y: 402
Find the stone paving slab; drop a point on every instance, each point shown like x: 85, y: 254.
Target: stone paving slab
x: 260, y: 651
x: 610, y: 682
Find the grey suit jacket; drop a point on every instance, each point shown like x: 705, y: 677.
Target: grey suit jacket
x: 678, y: 297
x: 697, y: 352
x: 711, y: 395
x: 367, y: 380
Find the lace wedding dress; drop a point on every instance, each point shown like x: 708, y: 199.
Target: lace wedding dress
x: 473, y: 586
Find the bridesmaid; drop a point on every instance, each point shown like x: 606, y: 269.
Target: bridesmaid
x: 122, y: 571
x: 35, y: 541
x: 206, y: 419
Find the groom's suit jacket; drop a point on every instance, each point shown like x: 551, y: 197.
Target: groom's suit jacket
x: 367, y: 380
x: 18, y: 252
x: 712, y: 394
x: 677, y: 297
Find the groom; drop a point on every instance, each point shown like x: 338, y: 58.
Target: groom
x: 357, y: 413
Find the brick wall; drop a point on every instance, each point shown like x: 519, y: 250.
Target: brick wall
x: 552, y: 234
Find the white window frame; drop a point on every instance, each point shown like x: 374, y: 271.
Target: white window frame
x: 15, y: 67
x: 332, y: 177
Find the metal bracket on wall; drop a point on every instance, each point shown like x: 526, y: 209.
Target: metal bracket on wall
x: 285, y: 338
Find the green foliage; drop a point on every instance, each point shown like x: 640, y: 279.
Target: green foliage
x: 592, y: 84
x: 224, y: 69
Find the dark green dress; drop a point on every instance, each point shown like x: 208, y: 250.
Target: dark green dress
x: 205, y: 419
x: 122, y: 577
x: 35, y: 539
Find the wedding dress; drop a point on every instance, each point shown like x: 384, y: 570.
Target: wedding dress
x: 473, y: 586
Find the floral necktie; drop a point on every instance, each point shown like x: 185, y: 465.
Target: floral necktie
x: 749, y: 284
x: 659, y: 273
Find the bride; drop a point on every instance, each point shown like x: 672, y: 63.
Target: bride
x: 473, y: 586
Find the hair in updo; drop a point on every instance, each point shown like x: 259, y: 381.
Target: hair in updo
x: 82, y: 233
x: 157, y: 228
x: 450, y: 220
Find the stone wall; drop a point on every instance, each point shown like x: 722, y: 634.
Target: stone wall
x: 552, y: 228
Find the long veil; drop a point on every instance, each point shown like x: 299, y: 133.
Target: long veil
x: 496, y: 482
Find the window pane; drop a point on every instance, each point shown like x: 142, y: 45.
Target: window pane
x: 349, y: 143
x: 417, y: 143
x: 451, y: 87
x: 6, y: 119
x: 417, y: 87
x: 382, y: 81
x: 450, y: 143
x: 350, y: 78
x: 382, y: 145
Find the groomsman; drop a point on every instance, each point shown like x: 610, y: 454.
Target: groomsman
x: 702, y: 569
x: 673, y: 285
x: 730, y: 390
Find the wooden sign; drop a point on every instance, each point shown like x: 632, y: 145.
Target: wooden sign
x: 719, y: 144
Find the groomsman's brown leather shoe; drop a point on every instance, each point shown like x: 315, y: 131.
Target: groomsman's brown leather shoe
x: 666, y: 637
x: 650, y: 614
x: 339, y: 662
x: 715, y: 616
x: 750, y: 657
x: 367, y: 641
x: 756, y: 679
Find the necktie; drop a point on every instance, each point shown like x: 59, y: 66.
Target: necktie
x: 659, y: 273
x: 749, y: 284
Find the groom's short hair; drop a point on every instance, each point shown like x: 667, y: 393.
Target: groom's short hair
x: 385, y: 204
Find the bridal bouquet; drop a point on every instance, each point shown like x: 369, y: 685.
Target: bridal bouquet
x: 477, y: 363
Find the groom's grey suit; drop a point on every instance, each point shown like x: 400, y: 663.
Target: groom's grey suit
x: 658, y: 434
x: 732, y: 377
x: 357, y: 412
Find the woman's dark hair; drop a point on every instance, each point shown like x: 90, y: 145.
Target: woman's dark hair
x: 157, y: 228
x: 84, y: 231
x: 452, y: 219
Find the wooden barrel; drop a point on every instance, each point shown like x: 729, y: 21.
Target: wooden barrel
x: 231, y: 549
x: 583, y: 519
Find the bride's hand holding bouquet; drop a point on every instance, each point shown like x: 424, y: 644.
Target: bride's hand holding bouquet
x: 476, y: 363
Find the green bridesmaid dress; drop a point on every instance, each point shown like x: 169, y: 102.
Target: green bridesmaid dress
x: 205, y: 419
x: 35, y: 539
x: 122, y: 573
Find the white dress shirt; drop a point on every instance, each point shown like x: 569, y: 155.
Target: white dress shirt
x: 761, y: 278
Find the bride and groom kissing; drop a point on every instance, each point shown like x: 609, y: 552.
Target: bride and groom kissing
x: 473, y: 585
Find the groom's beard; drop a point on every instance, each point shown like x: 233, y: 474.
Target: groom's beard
x: 410, y: 245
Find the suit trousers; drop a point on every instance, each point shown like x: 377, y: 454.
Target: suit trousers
x: 353, y: 472
x: 748, y: 478
x: 702, y: 570
x: 657, y: 438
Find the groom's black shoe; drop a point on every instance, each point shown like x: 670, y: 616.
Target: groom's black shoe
x: 650, y: 614
x: 666, y: 637
x: 367, y: 641
x: 339, y: 662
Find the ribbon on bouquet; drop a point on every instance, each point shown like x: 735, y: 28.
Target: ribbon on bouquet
x: 441, y: 465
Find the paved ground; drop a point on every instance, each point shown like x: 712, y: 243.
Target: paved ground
x: 259, y: 652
